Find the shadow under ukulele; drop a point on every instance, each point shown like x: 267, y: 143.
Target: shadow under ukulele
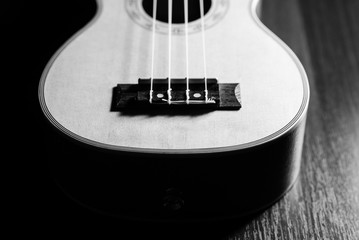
x: 203, y: 97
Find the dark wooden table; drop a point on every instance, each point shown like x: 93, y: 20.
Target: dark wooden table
x: 323, y: 204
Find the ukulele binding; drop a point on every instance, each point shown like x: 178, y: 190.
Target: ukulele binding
x: 224, y: 96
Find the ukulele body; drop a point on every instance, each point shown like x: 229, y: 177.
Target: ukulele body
x: 178, y: 165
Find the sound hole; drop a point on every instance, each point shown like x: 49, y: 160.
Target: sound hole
x: 178, y: 10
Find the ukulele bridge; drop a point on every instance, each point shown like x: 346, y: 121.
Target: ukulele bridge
x: 139, y: 96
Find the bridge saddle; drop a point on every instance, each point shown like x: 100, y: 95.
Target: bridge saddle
x: 139, y: 96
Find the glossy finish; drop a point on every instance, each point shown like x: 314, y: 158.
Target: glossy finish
x: 213, y: 186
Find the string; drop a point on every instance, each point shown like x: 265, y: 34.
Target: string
x: 204, y: 49
x: 154, y: 13
x: 186, y: 30
x: 169, y: 49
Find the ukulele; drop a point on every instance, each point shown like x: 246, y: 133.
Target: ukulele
x: 185, y: 110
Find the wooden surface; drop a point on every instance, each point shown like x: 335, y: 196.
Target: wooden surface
x: 324, y: 203
x: 76, y: 89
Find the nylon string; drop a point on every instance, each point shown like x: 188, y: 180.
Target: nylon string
x: 204, y: 50
x: 154, y: 13
x: 187, y: 61
x: 169, y: 49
